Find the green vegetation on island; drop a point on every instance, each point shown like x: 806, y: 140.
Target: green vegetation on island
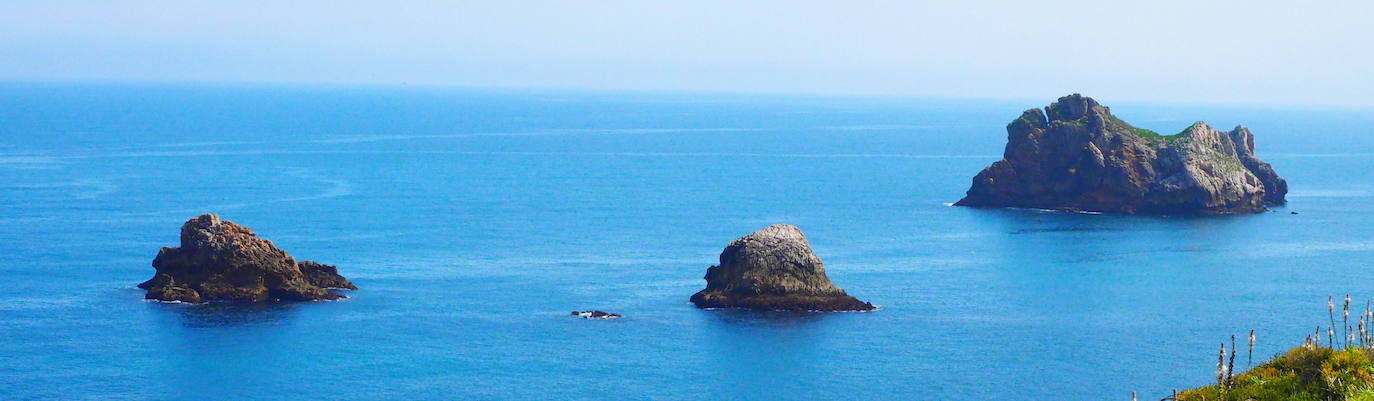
x: 1155, y: 137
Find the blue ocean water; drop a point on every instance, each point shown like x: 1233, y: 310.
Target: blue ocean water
x: 475, y: 220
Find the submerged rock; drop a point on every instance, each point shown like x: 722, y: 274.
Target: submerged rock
x: 596, y: 314
x: 773, y: 268
x: 1075, y: 155
x: 220, y: 260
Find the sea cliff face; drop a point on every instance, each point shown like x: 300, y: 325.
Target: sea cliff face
x: 773, y: 268
x: 1075, y: 155
x: 220, y: 260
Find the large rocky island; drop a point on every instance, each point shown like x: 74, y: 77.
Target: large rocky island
x: 220, y: 260
x: 775, y: 269
x: 1075, y: 155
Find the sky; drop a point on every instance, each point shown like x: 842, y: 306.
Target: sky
x: 1244, y: 52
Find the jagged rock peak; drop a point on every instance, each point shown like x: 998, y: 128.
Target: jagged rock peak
x: 1074, y: 107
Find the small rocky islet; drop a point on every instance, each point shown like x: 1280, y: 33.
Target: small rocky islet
x: 222, y: 261
x: 773, y: 269
x: 595, y: 314
x: 1075, y: 155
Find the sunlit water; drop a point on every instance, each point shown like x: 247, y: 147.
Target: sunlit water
x: 474, y: 221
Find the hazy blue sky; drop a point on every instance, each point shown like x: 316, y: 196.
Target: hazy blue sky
x: 1321, y: 52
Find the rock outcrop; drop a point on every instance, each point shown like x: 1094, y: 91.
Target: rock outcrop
x: 324, y: 276
x: 596, y: 314
x: 773, y: 268
x: 1075, y: 155
x: 220, y: 260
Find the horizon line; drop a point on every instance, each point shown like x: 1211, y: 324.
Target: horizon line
x: 664, y: 90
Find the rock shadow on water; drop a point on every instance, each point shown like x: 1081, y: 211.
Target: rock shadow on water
x: 767, y: 318
x: 1032, y: 222
x: 230, y: 314
x: 1087, y: 215
x: 1062, y: 229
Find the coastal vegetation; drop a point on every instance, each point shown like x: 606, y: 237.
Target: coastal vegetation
x: 1305, y: 373
x: 1340, y: 369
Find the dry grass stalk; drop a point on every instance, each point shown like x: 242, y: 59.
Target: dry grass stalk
x: 1330, y: 311
x: 1250, y: 350
x: 1221, y: 367
x: 1345, y: 313
x: 1359, y: 330
x: 1231, y: 366
x: 1368, y: 318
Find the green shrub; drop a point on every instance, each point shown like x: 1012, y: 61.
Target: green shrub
x: 1303, y: 374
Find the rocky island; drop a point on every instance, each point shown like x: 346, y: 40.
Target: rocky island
x: 220, y: 260
x: 1075, y: 155
x: 774, y: 269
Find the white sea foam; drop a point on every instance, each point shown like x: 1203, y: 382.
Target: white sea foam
x: 84, y: 189
x: 1043, y: 210
x: 200, y: 144
x: 196, y: 153
x: 335, y: 188
x: 1312, y: 155
x: 1330, y: 193
x: 518, y: 153
x: 39, y: 303
x: 875, y: 309
x: 357, y: 235
x: 1310, y: 248
x: 875, y: 127
x: 740, y: 154
x: 29, y: 162
x: 613, y: 131
x: 547, y: 132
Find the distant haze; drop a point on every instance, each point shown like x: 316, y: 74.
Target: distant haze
x: 1315, y: 53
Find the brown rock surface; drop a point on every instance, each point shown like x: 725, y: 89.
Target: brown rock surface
x: 220, y: 260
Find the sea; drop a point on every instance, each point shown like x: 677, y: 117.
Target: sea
x: 475, y: 220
